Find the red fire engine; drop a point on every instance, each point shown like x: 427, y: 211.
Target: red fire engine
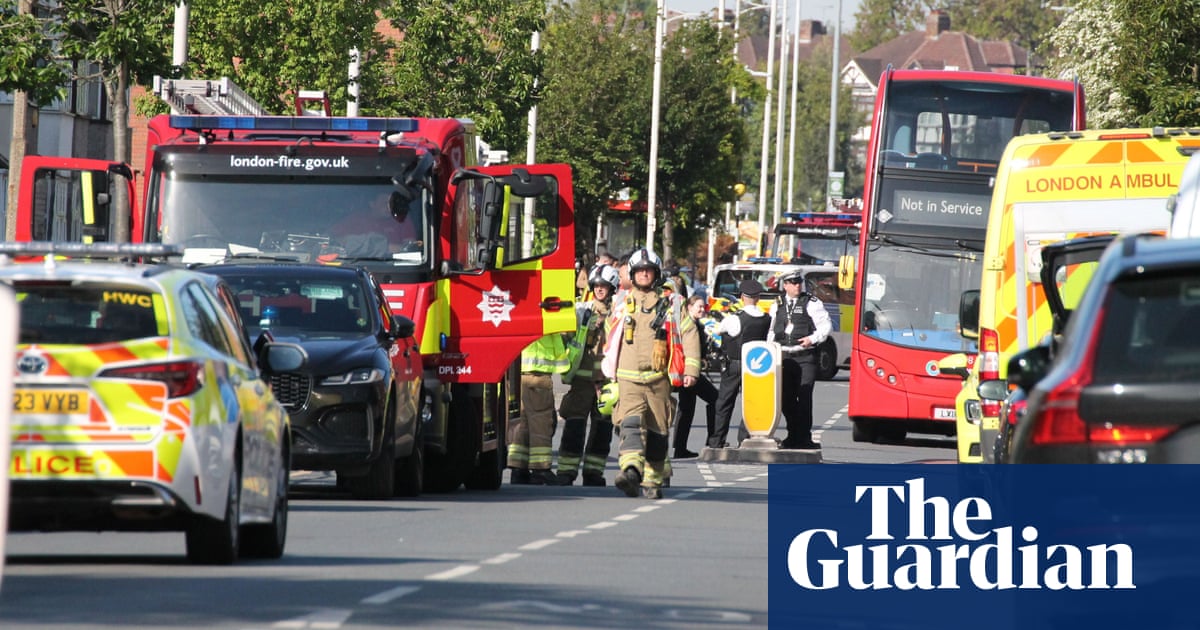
x: 480, y: 257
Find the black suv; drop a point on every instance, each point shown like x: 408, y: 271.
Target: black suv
x: 356, y: 409
x: 1124, y: 385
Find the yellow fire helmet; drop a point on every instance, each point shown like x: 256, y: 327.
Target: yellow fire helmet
x: 607, y: 400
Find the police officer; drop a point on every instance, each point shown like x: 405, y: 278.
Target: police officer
x: 530, y: 446
x: 747, y: 324
x: 579, y: 403
x: 637, y: 354
x: 799, y: 323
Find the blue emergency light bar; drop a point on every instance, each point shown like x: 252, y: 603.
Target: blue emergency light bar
x: 292, y: 123
x: 764, y: 259
x: 820, y: 217
x: 89, y: 250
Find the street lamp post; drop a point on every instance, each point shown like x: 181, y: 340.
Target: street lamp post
x: 660, y: 27
x: 833, y: 99
x: 766, y: 135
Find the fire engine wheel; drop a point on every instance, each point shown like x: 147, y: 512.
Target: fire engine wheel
x: 212, y: 541
x: 489, y: 472
x: 445, y: 472
x: 268, y: 541
x: 827, y: 367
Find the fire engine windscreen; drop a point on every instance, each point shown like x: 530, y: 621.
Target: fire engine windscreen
x: 335, y: 218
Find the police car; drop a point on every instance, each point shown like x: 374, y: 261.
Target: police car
x: 819, y: 280
x: 139, y: 405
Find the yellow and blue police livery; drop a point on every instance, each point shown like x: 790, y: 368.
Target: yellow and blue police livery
x: 139, y: 405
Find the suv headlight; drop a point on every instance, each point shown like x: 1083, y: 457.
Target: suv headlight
x: 360, y: 376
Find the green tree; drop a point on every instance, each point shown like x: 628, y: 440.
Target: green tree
x: 701, y: 134
x: 274, y: 48
x: 1025, y: 22
x: 878, y: 21
x: 1086, y: 42
x: 123, y: 41
x: 29, y: 63
x: 470, y: 58
x: 1158, y: 72
x: 595, y: 108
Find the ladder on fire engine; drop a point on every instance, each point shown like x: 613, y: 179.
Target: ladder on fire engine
x: 201, y: 96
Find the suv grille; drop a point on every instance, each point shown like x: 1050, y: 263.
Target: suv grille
x: 291, y: 389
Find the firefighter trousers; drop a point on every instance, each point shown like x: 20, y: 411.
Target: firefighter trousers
x: 643, y: 416
x: 530, y: 438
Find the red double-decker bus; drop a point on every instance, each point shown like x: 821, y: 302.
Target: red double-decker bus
x: 936, y: 139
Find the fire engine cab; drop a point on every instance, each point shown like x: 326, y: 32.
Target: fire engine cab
x: 481, y: 257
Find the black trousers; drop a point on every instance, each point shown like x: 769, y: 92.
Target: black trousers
x: 799, y: 377
x: 727, y: 395
x: 704, y: 390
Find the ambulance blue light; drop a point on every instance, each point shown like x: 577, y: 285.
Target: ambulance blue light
x: 292, y: 123
x: 764, y: 259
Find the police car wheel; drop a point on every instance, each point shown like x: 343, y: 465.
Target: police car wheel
x: 380, y: 480
x: 212, y: 541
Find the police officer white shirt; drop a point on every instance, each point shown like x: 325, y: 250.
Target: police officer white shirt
x: 731, y: 325
x: 815, y: 309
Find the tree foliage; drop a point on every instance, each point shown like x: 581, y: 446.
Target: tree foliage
x: 274, y: 48
x: 878, y: 21
x: 1158, y: 72
x: 119, y: 37
x: 470, y: 58
x: 29, y: 63
x: 1025, y: 22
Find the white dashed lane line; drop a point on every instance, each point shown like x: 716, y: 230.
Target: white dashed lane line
x: 334, y: 618
x: 831, y: 421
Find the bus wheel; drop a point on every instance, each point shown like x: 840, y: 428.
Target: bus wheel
x: 863, y: 431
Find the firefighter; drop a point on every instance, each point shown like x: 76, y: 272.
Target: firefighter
x: 530, y: 444
x: 638, y: 354
x: 799, y: 323
x: 585, y: 379
x: 748, y: 323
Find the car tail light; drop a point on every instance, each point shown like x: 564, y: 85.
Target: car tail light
x: 989, y: 368
x: 1060, y: 423
x: 182, y: 378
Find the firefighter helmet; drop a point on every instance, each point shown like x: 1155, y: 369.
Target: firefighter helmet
x: 607, y: 400
x: 645, y: 259
x: 604, y: 274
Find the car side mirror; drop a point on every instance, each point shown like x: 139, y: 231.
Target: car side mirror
x: 968, y: 314
x: 403, y: 327
x: 1026, y: 368
x: 994, y: 389
x: 282, y: 357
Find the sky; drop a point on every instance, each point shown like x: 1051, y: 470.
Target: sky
x: 822, y: 10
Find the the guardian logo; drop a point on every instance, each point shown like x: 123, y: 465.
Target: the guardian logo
x: 949, y: 547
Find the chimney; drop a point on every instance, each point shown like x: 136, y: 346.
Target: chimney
x: 810, y: 29
x: 936, y: 23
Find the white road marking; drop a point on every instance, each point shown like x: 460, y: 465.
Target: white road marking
x: 458, y: 571
x: 625, y: 517
x: 538, y: 544
x: 390, y: 595
x: 502, y: 558
x: 750, y: 478
x: 603, y: 525
x: 647, y: 508
x: 683, y: 495
x: 571, y: 533
x: 326, y: 618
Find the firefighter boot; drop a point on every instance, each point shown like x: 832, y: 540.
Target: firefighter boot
x: 564, y: 478
x: 652, y: 492
x: 628, y: 481
x: 592, y: 478
x: 520, y: 477
x: 543, y: 477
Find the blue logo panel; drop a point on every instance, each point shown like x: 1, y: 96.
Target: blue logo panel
x: 758, y: 361
x: 984, y: 547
